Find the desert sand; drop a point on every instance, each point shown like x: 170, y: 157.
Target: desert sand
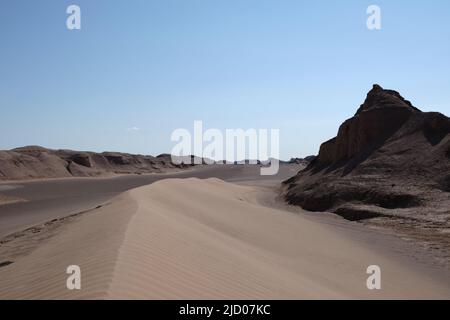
x: 6, y: 199
x: 48, y: 199
x: 206, y: 239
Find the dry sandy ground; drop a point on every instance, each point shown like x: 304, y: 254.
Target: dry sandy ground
x: 203, y: 239
x: 7, y: 199
x: 48, y: 199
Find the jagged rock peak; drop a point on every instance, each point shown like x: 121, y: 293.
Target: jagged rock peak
x: 384, y: 98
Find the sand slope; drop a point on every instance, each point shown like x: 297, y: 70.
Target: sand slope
x: 6, y: 199
x: 92, y: 242
x: 206, y: 239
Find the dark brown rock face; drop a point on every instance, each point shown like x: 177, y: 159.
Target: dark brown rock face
x: 82, y: 159
x: 388, y: 159
x: 381, y: 98
x: 381, y: 115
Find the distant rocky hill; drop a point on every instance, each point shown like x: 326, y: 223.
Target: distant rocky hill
x: 307, y: 160
x: 388, y: 160
x: 37, y: 162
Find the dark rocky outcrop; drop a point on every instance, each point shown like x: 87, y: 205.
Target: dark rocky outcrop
x: 304, y: 161
x: 388, y: 159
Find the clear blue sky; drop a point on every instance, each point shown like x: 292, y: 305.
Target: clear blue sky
x: 300, y: 66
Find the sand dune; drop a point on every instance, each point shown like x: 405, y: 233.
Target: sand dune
x: 92, y: 242
x: 206, y: 239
